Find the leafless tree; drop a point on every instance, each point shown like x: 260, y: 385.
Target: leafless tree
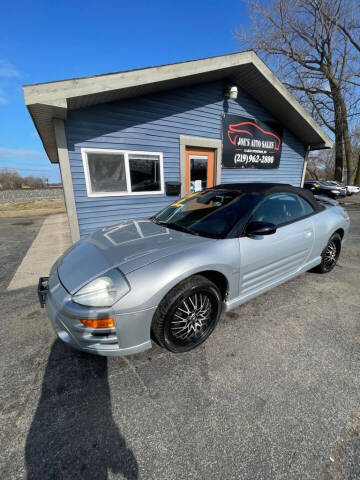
x: 348, y: 21
x: 315, y: 58
x: 320, y: 165
x: 312, y: 169
x: 33, y: 182
x: 10, y: 179
x: 355, y: 140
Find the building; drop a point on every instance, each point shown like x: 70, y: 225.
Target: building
x: 129, y: 143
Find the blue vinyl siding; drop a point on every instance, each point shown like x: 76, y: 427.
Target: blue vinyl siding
x: 154, y: 123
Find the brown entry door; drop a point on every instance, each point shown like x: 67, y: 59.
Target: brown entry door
x: 200, y: 169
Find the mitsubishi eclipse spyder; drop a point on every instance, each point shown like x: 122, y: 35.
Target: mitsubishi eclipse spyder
x: 169, y: 278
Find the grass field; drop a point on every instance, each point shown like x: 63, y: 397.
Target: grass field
x: 29, y: 208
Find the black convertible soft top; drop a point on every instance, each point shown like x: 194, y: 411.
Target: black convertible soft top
x: 270, y: 188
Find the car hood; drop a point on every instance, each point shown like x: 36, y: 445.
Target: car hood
x: 129, y: 245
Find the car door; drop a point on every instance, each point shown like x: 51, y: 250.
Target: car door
x: 270, y: 259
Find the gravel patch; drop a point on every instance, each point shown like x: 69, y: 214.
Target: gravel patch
x: 7, y: 196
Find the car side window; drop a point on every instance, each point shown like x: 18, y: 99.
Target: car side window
x: 308, y: 209
x: 279, y: 209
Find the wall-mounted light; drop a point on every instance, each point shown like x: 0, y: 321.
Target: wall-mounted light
x: 231, y: 92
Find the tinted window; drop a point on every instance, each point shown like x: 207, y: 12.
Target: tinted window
x: 211, y: 213
x: 308, y: 209
x: 144, y: 172
x: 279, y: 209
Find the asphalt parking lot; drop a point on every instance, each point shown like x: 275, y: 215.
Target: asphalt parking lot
x: 273, y: 394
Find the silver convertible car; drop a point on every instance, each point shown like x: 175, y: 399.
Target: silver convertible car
x: 168, y: 278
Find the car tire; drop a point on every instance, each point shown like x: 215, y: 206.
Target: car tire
x: 187, y: 315
x: 329, y: 255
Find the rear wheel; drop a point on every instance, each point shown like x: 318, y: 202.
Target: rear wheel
x: 187, y: 315
x: 330, y: 254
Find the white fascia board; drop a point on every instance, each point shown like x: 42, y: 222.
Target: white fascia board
x: 66, y: 89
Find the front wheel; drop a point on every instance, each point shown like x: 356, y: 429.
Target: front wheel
x: 187, y: 315
x: 330, y: 254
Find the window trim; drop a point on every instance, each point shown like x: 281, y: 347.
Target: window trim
x: 126, y: 153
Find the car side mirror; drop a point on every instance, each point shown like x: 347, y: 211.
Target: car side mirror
x: 260, y: 228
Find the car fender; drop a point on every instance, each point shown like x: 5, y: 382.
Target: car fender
x: 326, y: 223
x: 150, y: 284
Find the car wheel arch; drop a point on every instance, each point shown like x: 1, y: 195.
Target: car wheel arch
x: 215, y: 276
x: 340, y: 231
x: 219, y: 279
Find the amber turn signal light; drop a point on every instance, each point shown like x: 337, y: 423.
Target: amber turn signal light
x: 97, y: 322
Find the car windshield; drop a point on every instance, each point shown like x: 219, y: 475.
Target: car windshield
x: 212, y: 213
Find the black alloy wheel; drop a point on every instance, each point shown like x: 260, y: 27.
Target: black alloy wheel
x: 330, y: 254
x: 187, y: 315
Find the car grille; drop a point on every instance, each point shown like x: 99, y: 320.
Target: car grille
x: 101, y: 336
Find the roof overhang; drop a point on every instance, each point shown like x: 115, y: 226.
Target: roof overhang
x: 46, y: 101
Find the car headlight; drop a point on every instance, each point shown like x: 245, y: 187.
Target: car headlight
x: 104, y: 291
x: 335, y: 191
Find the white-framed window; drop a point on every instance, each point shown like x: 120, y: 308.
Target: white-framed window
x: 110, y: 173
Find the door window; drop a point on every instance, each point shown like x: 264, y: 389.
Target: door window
x: 198, y: 173
x: 279, y: 209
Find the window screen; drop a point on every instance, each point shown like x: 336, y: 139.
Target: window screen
x: 107, y: 172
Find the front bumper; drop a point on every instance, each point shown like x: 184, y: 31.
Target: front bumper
x: 130, y: 335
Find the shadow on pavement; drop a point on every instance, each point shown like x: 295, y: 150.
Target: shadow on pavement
x: 73, y: 434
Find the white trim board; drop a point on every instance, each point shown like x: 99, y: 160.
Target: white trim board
x: 126, y: 153
x: 200, y: 142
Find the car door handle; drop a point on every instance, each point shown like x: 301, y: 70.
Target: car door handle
x: 308, y: 233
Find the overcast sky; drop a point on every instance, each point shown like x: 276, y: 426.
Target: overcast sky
x: 53, y: 40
